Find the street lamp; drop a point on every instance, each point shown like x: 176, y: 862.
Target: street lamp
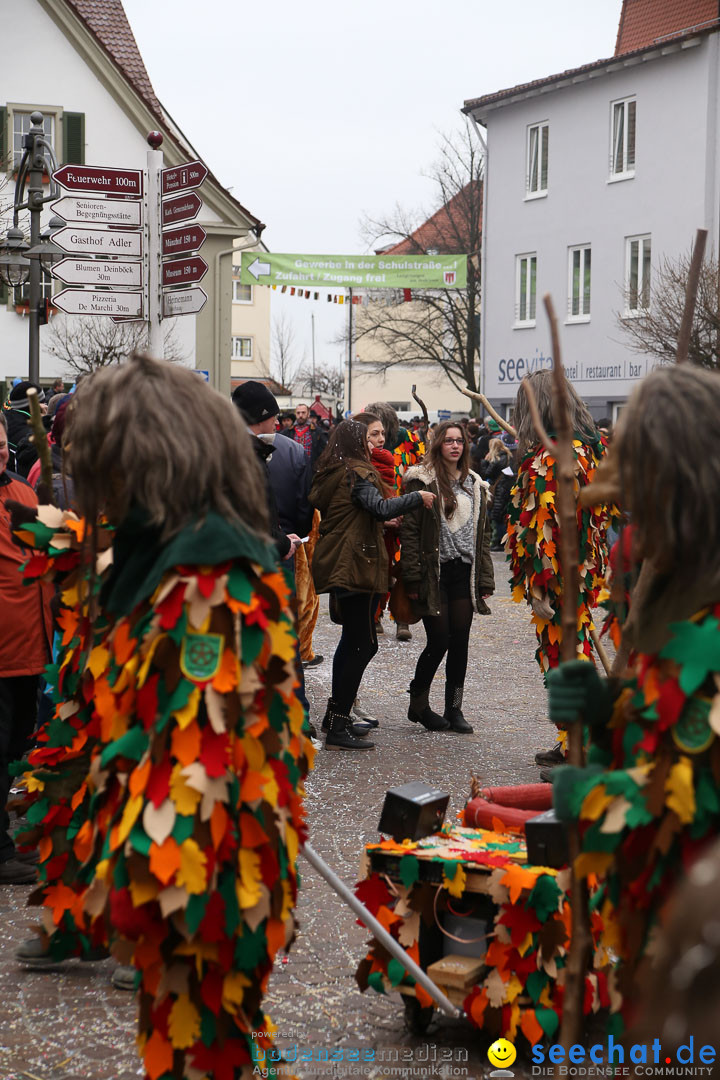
x: 20, y: 262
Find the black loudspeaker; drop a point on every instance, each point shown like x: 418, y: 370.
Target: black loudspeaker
x: 547, y: 841
x: 412, y: 811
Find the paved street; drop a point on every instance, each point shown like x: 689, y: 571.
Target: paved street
x: 71, y: 1024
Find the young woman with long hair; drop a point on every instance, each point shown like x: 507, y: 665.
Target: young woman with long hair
x: 447, y: 568
x: 351, y: 563
x: 533, y: 531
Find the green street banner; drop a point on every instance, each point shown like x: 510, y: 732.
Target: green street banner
x: 355, y: 271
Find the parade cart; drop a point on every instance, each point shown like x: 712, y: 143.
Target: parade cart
x: 489, y: 927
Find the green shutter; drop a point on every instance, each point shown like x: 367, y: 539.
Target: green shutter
x: 73, y: 138
x: 3, y: 138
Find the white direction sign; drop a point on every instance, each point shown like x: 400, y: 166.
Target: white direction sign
x: 183, y: 301
x: 99, y: 272
x: 98, y: 241
x: 256, y: 268
x: 98, y: 302
x: 99, y: 211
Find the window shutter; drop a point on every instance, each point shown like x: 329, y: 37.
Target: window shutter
x: 73, y: 138
x: 3, y: 138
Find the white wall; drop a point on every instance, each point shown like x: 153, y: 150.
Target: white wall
x: 673, y: 193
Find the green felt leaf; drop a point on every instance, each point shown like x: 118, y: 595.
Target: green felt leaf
x: 226, y: 888
x: 183, y: 828
x: 132, y: 744
x: 252, y: 642
x: 595, y: 840
x: 544, y: 897
x: 375, y: 980
x: 632, y: 735
x: 449, y: 868
x: 251, y: 948
x: 60, y: 733
x: 177, y: 632
x: 396, y: 972
x: 410, y: 870
x: 540, y: 484
x: 37, y: 811
x: 536, y: 983
x: 207, y: 1027
x: 696, y: 648
x: 239, y: 585
x: 277, y: 713
x: 548, y: 1021
x: 139, y: 839
x: 121, y: 877
x: 195, y: 911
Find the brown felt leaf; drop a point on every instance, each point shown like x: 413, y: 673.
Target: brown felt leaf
x: 552, y: 937
x: 655, y: 791
x: 409, y: 930
x: 664, y: 836
x: 173, y: 899
x: 174, y: 980
x: 254, y: 916
x: 96, y: 898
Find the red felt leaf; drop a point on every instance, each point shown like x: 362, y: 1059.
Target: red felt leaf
x: 211, y: 988
x: 220, y: 1059
x: 158, y: 787
x: 214, y: 752
x: 129, y: 921
x: 373, y: 893
x: 212, y: 927
x: 520, y: 922
x: 146, y: 701
x: 206, y: 583
x: 170, y: 609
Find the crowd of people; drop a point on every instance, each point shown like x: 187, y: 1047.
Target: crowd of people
x: 162, y: 590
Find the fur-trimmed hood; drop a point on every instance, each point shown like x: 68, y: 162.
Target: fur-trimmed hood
x: 426, y: 475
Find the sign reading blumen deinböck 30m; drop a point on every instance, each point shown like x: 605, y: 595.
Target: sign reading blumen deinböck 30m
x: 355, y: 271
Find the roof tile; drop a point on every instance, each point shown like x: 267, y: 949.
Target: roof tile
x: 642, y: 22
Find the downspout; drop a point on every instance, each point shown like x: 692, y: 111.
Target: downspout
x: 483, y: 253
x: 216, y: 364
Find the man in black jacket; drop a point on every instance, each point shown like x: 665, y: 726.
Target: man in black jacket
x: 23, y: 454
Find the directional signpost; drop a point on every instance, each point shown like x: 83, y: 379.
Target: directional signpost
x: 123, y: 216
x: 100, y: 272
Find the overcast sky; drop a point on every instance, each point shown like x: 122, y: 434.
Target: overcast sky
x: 315, y: 113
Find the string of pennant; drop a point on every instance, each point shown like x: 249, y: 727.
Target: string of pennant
x: 393, y: 296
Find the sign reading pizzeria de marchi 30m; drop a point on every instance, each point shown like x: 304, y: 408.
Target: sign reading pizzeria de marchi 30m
x: 355, y: 271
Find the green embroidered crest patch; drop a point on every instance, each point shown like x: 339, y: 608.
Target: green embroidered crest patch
x: 201, y: 655
x: 693, y: 733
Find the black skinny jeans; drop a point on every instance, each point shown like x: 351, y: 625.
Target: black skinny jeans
x: 356, y: 648
x: 448, y: 632
x: 18, y: 712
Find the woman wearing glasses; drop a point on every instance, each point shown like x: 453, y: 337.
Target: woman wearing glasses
x: 447, y: 569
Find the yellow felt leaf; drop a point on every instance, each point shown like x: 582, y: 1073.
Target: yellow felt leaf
x: 142, y: 891
x: 233, y: 990
x: 518, y: 594
x: 187, y: 714
x: 32, y: 783
x: 595, y: 803
x: 513, y: 988
x: 547, y: 498
x: 270, y: 789
x: 183, y: 796
x: 130, y: 816
x: 282, y: 638
x: 143, y: 673
x: 248, y: 887
x: 99, y: 660
x: 592, y: 862
x: 254, y: 753
x: 680, y: 790
x: 184, y: 1024
x: 527, y: 944
x: 292, y: 843
x: 192, y: 873
x: 455, y: 886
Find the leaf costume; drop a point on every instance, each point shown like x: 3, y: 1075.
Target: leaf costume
x: 533, y: 545
x: 189, y: 844
x: 648, y: 800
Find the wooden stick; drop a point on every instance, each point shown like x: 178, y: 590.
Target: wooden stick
x: 683, y: 344
x: 580, y: 946
x: 423, y: 406
x: 40, y: 438
x: 488, y: 408
x: 600, y: 650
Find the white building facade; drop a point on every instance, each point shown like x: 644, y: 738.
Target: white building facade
x: 593, y: 177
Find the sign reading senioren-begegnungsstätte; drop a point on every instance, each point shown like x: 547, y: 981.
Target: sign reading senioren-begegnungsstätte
x: 355, y: 271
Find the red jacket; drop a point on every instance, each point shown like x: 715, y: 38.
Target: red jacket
x: 25, y: 619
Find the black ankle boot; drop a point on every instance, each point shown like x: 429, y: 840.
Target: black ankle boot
x: 421, y: 713
x: 360, y: 728
x: 342, y: 734
x: 453, y: 711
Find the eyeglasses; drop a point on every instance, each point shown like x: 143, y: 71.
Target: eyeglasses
x: 451, y: 442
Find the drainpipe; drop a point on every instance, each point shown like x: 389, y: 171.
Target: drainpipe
x: 483, y: 254
x: 255, y: 233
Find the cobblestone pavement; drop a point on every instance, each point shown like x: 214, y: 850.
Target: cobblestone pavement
x: 72, y: 1025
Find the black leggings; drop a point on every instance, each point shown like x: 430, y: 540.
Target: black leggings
x: 356, y: 648
x: 448, y: 632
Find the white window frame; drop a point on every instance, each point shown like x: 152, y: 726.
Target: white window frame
x: 530, y: 298
x: 240, y: 285
x: 50, y: 113
x: 620, y: 144
x: 584, y: 296
x: 537, y: 148
x: 642, y: 288
x: 237, y: 354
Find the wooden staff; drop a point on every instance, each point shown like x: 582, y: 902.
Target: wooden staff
x: 562, y: 450
x: 40, y: 439
x: 423, y: 406
x: 488, y: 408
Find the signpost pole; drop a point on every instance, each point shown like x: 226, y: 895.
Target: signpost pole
x: 154, y: 246
x: 350, y: 350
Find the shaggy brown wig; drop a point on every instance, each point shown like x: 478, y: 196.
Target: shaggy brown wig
x: 390, y: 421
x: 439, y: 465
x: 670, y: 469
x: 348, y: 446
x: 153, y: 434
x: 542, y: 384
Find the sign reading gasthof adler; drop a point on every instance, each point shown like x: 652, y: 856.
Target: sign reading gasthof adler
x: 354, y: 271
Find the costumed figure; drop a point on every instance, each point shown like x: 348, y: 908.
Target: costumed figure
x: 647, y: 802
x: 187, y: 849
x: 533, y: 533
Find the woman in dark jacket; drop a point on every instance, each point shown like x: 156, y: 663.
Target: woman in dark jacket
x: 350, y: 562
x: 447, y: 569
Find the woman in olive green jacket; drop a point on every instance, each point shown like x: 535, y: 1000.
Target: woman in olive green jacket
x: 447, y: 570
x: 350, y: 562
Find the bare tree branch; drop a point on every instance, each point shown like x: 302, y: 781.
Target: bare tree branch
x: 285, y: 360
x: 83, y: 345
x: 326, y: 379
